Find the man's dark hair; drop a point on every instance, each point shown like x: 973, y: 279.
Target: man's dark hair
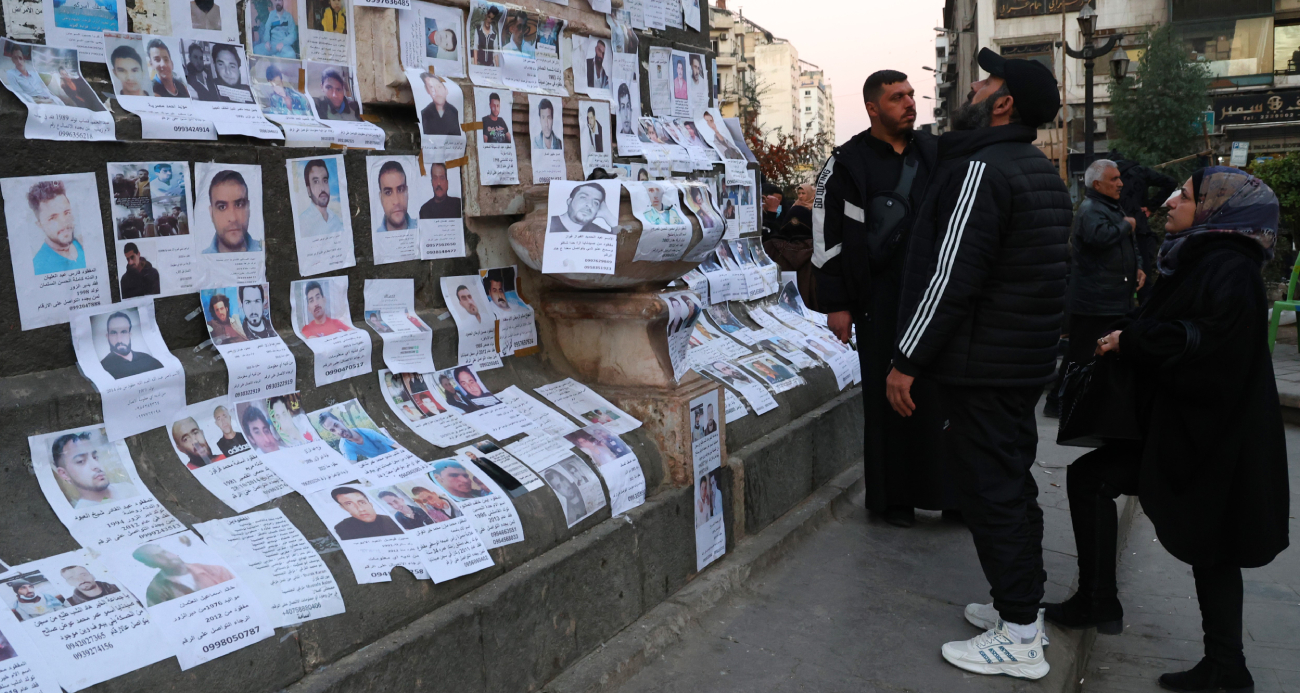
x: 130, y: 248
x: 601, y: 190
x: 438, y: 163
x: 252, y: 414
x: 226, y: 176
x: 124, y: 52
x: 494, y: 12
x: 313, y: 285
x: 494, y: 97
x: 329, y: 415
x: 219, y: 297
x: 343, y: 491
x: 334, y: 74
x: 389, y: 167
x: 119, y: 314
x: 158, y: 43
x: 385, y: 494
x: 62, y: 442
x: 876, y: 83
x: 545, y: 105
x: 591, y: 110
x: 623, y: 91
x: 314, y: 163
x: 272, y: 72
x: 217, y: 48
x: 260, y: 294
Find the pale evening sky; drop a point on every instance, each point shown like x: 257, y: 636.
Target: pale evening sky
x: 850, y: 39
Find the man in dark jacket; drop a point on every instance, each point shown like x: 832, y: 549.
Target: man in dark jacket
x: 140, y: 277
x: 905, y: 468
x: 1144, y: 189
x: 983, y: 292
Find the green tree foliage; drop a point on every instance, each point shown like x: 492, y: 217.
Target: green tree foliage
x: 1282, y: 174
x: 1155, y: 113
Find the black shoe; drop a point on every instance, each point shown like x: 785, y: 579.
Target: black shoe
x: 1209, y: 677
x: 953, y: 516
x: 900, y: 516
x: 1078, y: 613
x: 1052, y: 408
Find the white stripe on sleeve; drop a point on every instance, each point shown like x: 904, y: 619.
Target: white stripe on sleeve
x: 821, y: 254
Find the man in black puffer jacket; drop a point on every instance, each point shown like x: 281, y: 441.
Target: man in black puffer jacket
x: 983, y: 293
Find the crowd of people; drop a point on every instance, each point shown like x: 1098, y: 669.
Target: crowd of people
x: 963, y: 267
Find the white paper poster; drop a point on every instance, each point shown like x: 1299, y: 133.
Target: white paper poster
x: 697, y: 83
x: 475, y: 320
x: 483, y: 29
x: 322, y: 222
x: 461, y: 390
x: 147, y: 81
x: 552, y: 50
x: 699, y: 199
x: 373, y: 543
x: 582, y: 231
x: 518, y: 56
x: 759, y: 399
x: 716, y: 135
x: 78, y: 619
x: 60, y: 103
x: 151, y: 213
x: 276, y: 90
x: 24, y: 668
x: 496, y: 150
x: 593, y: 134
x: 709, y: 343
x: 239, y: 321
x: 735, y: 408
x: 515, y: 478
x: 441, y: 533
x: 390, y: 311
x: 776, y: 375
x: 82, y: 25
x: 627, y: 102
x: 706, y: 450
x: 576, y: 487
x: 206, y: 20
x: 488, y: 507
x: 665, y: 230
x: 442, y: 224
x: 209, y: 442
x: 337, y: 103
x: 684, y: 309
x: 279, y: 431
x: 56, y: 245
x: 273, y: 28
x: 228, y: 227
x: 378, y: 458
x: 325, y: 31
x: 538, y: 449
x: 321, y: 319
x: 396, y: 189
x: 617, y: 464
x: 433, y: 36
x: 547, y: 141
x: 543, y: 417
x: 516, y: 321
x: 440, y: 104
x: 582, y: 403
x: 219, y: 83
x: 411, y: 396
x: 121, y: 351
x: 179, y: 577
x: 92, y: 485
x: 283, y: 569
x: 592, y: 66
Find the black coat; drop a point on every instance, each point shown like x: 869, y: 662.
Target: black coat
x: 1137, y: 193
x: 1214, y: 467
x: 1103, y: 259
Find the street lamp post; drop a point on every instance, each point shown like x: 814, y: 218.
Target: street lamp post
x: 1089, y: 53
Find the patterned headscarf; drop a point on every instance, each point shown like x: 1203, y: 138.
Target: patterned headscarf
x: 1228, y: 200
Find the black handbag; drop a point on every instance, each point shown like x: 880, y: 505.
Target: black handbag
x: 1098, y: 403
x: 886, y: 212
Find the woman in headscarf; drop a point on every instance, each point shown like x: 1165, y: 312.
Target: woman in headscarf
x: 1211, y: 469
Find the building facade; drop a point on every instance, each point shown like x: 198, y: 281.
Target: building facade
x: 817, y: 104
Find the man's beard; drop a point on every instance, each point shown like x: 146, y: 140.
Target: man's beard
x: 122, y: 348
x: 972, y: 116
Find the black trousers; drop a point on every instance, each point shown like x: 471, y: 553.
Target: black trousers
x: 991, y: 435
x: 1093, y: 482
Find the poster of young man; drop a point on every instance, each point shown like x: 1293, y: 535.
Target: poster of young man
x: 519, y: 49
x: 758, y: 398
x: 275, y: 88
x: 148, y: 83
x: 576, y: 487
x: 325, y: 30
x: 697, y: 85
x: 771, y: 372
x: 582, y: 403
x: 322, y: 320
x: 121, y: 351
x: 475, y: 321
x: 228, y: 228
x: 699, y: 199
x: 60, y: 104
x: 260, y: 364
x: 582, y: 232
x: 178, y: 576
x: 397, y: 190
x: 441, y: 533
x: 273, y: 28
x: 373, y: 542
x: 482, y: 500
x: 322, y: 222
x: 706, y: 451
x: 209, y: 442
x: 390, y: 311
x: 483, y: 38
x: 593, y: 136
x: 461, y: 390
x: 205, y: 20
x: 23, y: 666
x: 378, y: 458
x: 547, y: 141
x: 593, y: 62
x: 440, y: 104
x: 617, y: 464
x: 550, y: 69
x: 411, y: 397
x: 151, y: 223
x: 442, y: 226
x: 220, y: 85
x: 56, y: 246
x: 81, y: 26
x: 665, y: 231
x: 334, y: 96
x: 280, y: 433
x: 432, y: 36
x: 627, y: 112
x: 511, y: 475
x: 496, y: 150
x: 83, y: 475
x: 684, y: 310
x: 516, y: 321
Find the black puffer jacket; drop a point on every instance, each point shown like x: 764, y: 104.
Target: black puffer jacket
x: 1103, y: 259
x: 984, y: 283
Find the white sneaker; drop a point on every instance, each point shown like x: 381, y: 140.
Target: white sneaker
x: 997, y: 652
x: 985, y: 617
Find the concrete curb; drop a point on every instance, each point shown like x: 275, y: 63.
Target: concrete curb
x: 663, y: 626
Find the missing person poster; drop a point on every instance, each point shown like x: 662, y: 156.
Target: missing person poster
x: 516, y: 321
x: 708, y: 344
x: 276, y: 90
x: 461, y: 390
x: 593, y: 136
x: 513, y: 476
x: 378, y: 458
x: 684, y: 309
x: 260, y: 364
x: 396, y: 188
x: 442, y: 224
x: 280, y: 433
x: 627, y: 112
x: 551, y: 51
x: 440, y: 104
x: 322, y: 320
x: 373, y: 543
x: 483, y: 34
x: 539, y: 449
x: 219, y: 83
x: 496, y: 150
x: 151, y: 215
x: 582, y: 403
x: 519, y: 48
x: 60, y: 103
x: 593, y: 62
x: 547, y: 142
x: 617, y: 464
x: 322, y: 223
x: 282, y: 568
x: 582, y: 231
x: 146, y: 82
x: 390, y: 311
x: 92, y: 485
x: 228, y: 226
x: 23, y: 666
x: 411, y: 396
x: 699, y: 199
x: 727, y: 373
x: 488, y: 507
x: 79, y: 619
x: 81, y: 25
x: 325, y: 30
x: 716, y: 135
x: 207, y: 20
x: 661, y: 88
x: 442, y: 534
x: 56, y: 245
x: 272, y: 27
x: 333, y: 90
x: 210, y: 443
x: 735, y: 408
x: 576, y: 487
x: 542, y: 417
x: 776, y: 375
x: 178, y: 578
x: 433, y: 38
x: 475, y: 321
x: 706, y: 451
x: 665, y: 231
x: 121, y: 351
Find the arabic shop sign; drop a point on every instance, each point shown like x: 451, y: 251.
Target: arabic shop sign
x: 1007, y: 9
x: 1258, y: 107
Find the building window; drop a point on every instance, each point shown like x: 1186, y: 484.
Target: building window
x: 1233, y: 48
x: 1286, y: 49
x: 1038, y: 52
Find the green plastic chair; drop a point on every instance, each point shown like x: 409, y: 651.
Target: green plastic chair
x: 1280, y: 307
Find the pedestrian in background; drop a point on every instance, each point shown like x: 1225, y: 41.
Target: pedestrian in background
x: 1145, y: 189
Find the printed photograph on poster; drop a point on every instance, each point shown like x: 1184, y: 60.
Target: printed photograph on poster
x: 776, y: 375
x: 706, y: 452
x: 348, y: 429
x: 582, y: 403
x: 410, y: 396
x: 206, y: 20
x: 483, y: 28
x: 758, y: 397
x: 282, y: 568
x: 81, y: 25
x: 683, y: 310
x: 178, y: 576
x: 627, y: 114
x: 322, y: 223
x: 372, y: 542
x: 509, y: 473
x: 665, y: 231
x: 681, y: 96
x: 273, y: 28
x: 396, y: 189
x: 56, y: 246
x: 519, y: 49
x: 715, y: 134
x: 324, y: 26
x: 442, y: 228
x: 151, y: 222
x: 238, y: 313
x: 617, y: 464
x: 259, y: 363
x: 582, y: 233
x: 497, y: 163
x: 432, y: 37
x: 209, y: 442
x: 700, y: 201
x: 280, y: 433
x: 516, y: 321
x: 322, y: 319
x: 442, y: 535
x: 390, y: 312
x: 60, y: 599
x: 228, y: 225
x: 592, y: 66
x: 697, y: 87
x: 275, y: 85
x: 121, y: 351
x: 333, y: 91
x: 48, y: 76
x: 481, y: 499
x: 576, y: 487
x: 716, y: 341
x: 148, y: 82
x: 593, y: 135
x: 659, y: 75
x: 475, y: 320
x: 550, y: 67
x: 439, y: 102
x: 547, y: 142
x: 461, y: 390
x: 92, y: 485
